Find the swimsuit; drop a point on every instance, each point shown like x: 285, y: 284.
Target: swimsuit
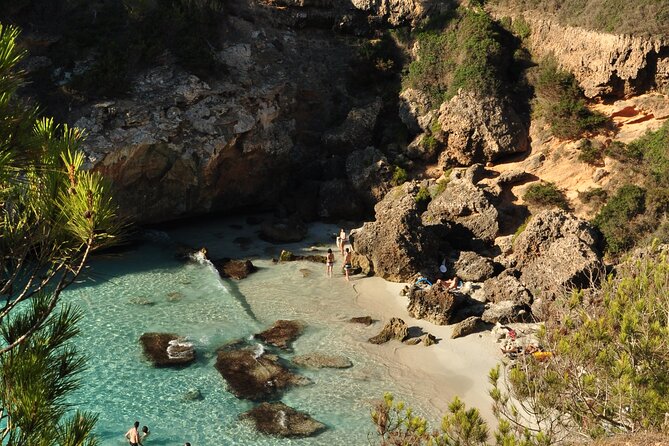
x: 347, y: 266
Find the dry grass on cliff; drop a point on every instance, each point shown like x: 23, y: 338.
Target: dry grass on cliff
x: 639, y: 439
x: 640, y: 17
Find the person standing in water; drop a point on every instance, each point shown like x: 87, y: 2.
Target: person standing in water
x: 145, y: 433
x: 329, y: 261
x: 347, y: 264
x: 132, y: 435
x: 342, y: 241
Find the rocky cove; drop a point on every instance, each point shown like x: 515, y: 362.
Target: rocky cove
x: 310, y: 121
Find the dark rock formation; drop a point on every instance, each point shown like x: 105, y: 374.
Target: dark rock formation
x: 465, y: 205
x: 470, y: 325
x: 366, y: 320
x: 283, y: 421
x: 235, y: 269
x: 287, y: 230
x: 435, y: 305
x: 318, y: 360
x: 473, y: 267
x: 357, y: 129
x: 557, y: 251
x: 507, y: 287
x: 282, y: 333
x: 255, y: 377
x: 167, y: 349
x: 369, y: 173
x: 394, y: 246
x: 396, y: 329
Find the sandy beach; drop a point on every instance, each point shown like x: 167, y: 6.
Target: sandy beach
x: 438, y: 373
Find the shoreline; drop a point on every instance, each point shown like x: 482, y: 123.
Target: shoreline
x: 440, y: 372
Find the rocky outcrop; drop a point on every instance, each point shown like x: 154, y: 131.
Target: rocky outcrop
x: 604, y: 64
x: 472, y: 267
x: 479, y: 129
x: 167, y: 349
x: 507, y: 287
x: 469, y: 326
x: 396, y: 329
x: 435, y: 304
x: 465, y: 205
x: 234, y: 269
x: 318, y: 360
x: 505, y: 312
x: 396, y: 12
x: 283, y: 421
x: 557, y: 251
x: 395, y: 246
x: 254, y: 375
x: 282, y: 333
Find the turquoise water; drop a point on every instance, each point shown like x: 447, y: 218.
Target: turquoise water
x: 146, y: 290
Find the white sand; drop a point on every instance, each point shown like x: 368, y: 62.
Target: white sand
x: 438, y: 373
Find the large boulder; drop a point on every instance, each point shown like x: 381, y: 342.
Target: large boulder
x: 479, y: 128
x: 255, y: 375
x: 466, y: 205
x: 396, y: 329
x: 506, y: 286
x: 283, y: 421
x: 167, y: 349
x: 282, y: 333
x: 235, y: 269
x: 471, y: 325
x: 472, y: 267
x: 395, y: 246
x: 557, y: 251
x: 435, y: 304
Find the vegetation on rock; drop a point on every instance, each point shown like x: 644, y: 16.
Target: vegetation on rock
x: 545, y: 194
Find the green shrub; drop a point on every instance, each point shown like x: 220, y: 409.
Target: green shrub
x: 615, y: 219
x: 399, y: 176
x: 465, y: 52
x: 596, y: 195
x: 423, y: 196
x: 561, y: 102
x: 624, y: 152
x: 520, y: 229
x: 521, y: 28
x: 591, y: 152
x: 546, y: 194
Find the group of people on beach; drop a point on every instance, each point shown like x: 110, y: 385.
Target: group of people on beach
x: 345, y: 252
x: 135, y: 438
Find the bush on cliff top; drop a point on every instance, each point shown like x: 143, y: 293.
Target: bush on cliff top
x: 546, y: 194
x: 466, y: 53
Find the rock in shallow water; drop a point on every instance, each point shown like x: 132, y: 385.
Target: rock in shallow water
x: 255, y: 377
x: 283, y: 421
x: 167, y: 349
x: 282, y: 333
x: 318, y: 360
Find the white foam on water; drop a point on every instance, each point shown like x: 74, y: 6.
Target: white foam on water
x: 258, y: 351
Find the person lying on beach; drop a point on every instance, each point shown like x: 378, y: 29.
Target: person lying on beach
x: 448, y: 284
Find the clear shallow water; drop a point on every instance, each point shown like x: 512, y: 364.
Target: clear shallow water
x: 148, y: 290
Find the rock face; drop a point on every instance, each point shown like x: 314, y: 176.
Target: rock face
x: 507, y: 287
x: 557, y: 251
x: 395, y: 246
x: 167, y: 349
x: 397, y: 12
x: 473, y: 267
x: 396, y: 329
x: 255, y: 377
x: 321, y: 360
x: 476, y: 129
x: 604, y: 64
x: 281, y: 334
x: 466, y: 205
x: 283, y: 421
x: 369, y: 173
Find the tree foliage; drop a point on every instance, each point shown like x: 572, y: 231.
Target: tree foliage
x: 53, y: 214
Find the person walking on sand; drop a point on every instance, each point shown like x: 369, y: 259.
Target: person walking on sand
x: 342, y: 241
x: 347, y: 264
x: 133, y: 435
x: 329, y: 261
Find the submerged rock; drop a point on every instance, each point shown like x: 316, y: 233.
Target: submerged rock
x: 193, y: 395
x: 288, y: 256
x: 167, y: 349
x: 318, y: 360
x: 283, y: 421
x: 396, y: 329
x: 282, y: 333
x: 366, y: 320
x: 253, y: 375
